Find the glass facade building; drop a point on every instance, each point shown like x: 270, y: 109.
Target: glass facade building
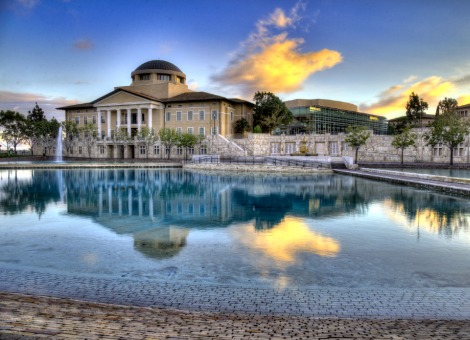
x: 320, y: 119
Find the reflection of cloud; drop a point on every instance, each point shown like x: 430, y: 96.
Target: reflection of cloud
x: 286, y: 240
x: 83, y: 44
x: 392, y: 102
x: 270, y: 62
x: 90, y: 258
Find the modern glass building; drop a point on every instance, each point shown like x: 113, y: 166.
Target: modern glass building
x: 321, y: 116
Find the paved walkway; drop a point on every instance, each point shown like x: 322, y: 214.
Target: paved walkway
x: 28, y: 317
x: 137, y: 309
x: 415, y: 180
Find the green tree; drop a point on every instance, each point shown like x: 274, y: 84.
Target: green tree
x: 241, y: 126
x: 14, y: 128
x: 270, y: 112
x: 356, y: 137
x: 36, y: 115
x: 147, y: 137
x: 445, y: 106
x: 187, y: 141
x: 415, y: 109
x: 169, y: 138
x: 404, y: 140
x: 35, y: 127
x: 88, y: 136
x: 48, y: 131
x: 72, y: 134
x: 449, y: 129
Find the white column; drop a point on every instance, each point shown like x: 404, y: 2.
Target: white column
x: 149, y: 117
x: 118, y: 119
x: 139, y: 118
x: 109, y: 123
x: 99, y: 123
x: 128, y: 122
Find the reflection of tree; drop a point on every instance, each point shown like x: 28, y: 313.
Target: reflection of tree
x: 439, y: 214
x: 19, y: 195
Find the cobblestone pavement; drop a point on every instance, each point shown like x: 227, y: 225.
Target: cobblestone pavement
x: 177, y: 310
x: 28, y: 317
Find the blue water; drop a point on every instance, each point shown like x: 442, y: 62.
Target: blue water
x: 276, y: 230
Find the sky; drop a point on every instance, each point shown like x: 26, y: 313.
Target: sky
x: 372, y: 53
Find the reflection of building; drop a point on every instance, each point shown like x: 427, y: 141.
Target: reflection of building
x: 321, y: 116
x: 157, y: 98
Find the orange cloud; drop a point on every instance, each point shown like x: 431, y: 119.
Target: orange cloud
x: 392, y: 102
x: 274, y: 63
x: 83, y: 44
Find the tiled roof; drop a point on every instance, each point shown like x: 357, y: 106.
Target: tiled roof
x: 158, y: 65
x: 201, y: 96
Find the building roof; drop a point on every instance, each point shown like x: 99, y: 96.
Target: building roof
x: 76, y: 106
x: 404, y: 118
x: 158, y: 65
x: 466, y: 106
x: 201, y: 96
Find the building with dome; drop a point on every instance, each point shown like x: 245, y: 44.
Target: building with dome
x: 158, y: 97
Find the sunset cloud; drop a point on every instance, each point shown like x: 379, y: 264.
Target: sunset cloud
x: 274, y: 62
x: 23, y: 102
x: 83, y: 44
x: 391, y: 103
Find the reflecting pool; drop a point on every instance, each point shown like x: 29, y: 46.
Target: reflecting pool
x: 261, y: 229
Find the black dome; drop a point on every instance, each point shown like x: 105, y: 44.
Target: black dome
x: 158, y: 65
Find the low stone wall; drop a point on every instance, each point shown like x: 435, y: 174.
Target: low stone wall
x: 420, y: 176
x: 215, y: 167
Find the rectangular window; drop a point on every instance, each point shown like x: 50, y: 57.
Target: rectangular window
x: 437, y: 151
x: 214, y: 130
x: 134, y: 118
x: 202, y: 115
x: 190, y: 130
x: 344, y: 147
x: 142, y: 150
x: 458, y: 151
x: 101, y: 149
x: 85, y: 120
x: 164, y: 77
x: 102, y: 119
x: 190, y: 115
x: 179, y: 150
x: 333, y: 148
x: 191, y: 151
x: 94, y: 120
x: 156, y: 150
x: 203, y: 150
x: 167, y: 151
x: 79, y: 150
x: 179, y: 131
x: 214, y: 114
x: 168, y: 116
x: 77, y: 120
x: 145, y: 76
x: 178, y: 116
x: 202, y: 131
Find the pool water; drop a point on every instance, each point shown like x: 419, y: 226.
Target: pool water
x: 255, y: 230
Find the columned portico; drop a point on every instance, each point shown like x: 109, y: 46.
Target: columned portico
x: 108, y: 122
x: 128, y: 122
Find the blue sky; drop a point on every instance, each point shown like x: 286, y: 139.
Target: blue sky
x: 372, y: 53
